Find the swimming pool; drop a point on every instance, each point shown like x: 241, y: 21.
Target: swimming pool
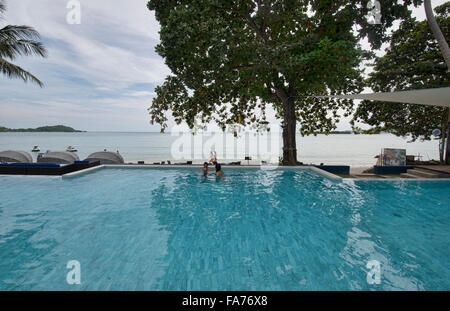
x: 166, y: 229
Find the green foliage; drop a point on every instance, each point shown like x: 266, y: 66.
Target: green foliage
x: 413, y: 61
x: 55, y: 129
x: 230, y: 59
x: 18, y: 41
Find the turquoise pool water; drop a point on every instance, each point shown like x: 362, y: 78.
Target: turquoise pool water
x: 166, y: 229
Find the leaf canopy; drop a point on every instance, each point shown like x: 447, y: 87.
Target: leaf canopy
x: 230, y: 59
x: 413, y: 61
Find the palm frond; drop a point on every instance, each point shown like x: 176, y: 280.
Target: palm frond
x: 14, y: 32
x: 13, y: 71
x: 20, y: 41
x: 13, y: 49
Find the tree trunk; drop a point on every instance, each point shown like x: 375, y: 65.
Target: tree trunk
x: 442, y: 141
x: 447, y: 152
x: 289, y: 131
x: 437, y: 32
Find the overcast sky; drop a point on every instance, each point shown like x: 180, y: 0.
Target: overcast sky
x: 99, y: 76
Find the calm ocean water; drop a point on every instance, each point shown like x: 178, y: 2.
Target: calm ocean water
x: 355, y: 150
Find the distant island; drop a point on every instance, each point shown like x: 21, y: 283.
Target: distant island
x: 54, y: 129
x: 341, y: 132
x: 336, y: 132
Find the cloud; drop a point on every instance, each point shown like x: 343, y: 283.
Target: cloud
x: 104, y: 66
x: 102, y: 49
x: 142, y: 94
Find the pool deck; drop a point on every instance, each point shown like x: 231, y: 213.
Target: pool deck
x: 419, y: 172
x: 436, y: 168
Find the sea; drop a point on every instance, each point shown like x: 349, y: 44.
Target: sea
x: 335, y: 149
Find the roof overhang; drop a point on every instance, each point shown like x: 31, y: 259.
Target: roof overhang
x: 429, y: 97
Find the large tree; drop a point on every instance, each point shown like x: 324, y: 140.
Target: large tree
x: 230, y: 59
x: 413, y: 61
x: 18, y: 41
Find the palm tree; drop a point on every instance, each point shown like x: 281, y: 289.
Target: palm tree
x: 437, y: 33
x: 18, y: 41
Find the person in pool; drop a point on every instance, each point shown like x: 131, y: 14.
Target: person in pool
x: 205, y: 169
x: 219, y: 172
x: 213, y: 157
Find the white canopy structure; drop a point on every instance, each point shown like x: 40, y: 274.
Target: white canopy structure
x: 106, y: 157
x: 58, y: 157
x: 15, y: 157
x: 430, y: 97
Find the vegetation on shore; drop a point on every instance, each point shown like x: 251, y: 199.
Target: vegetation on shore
x: 341, y: 132
x: 54, y: 129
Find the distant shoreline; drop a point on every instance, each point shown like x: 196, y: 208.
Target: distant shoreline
x: 42, y: 129
x: 2, y: 130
